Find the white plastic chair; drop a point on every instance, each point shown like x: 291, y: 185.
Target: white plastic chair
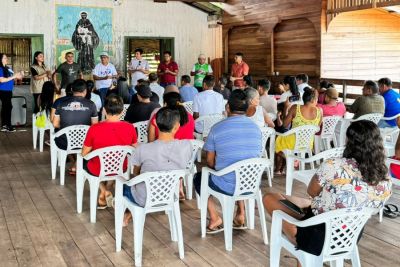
x: 248, y: 178
x: 345, y: 123
x: 191, y: 169
x: 188, y: 106
x: 76, y: 134
x: 323, y: 141
x: 305, y: 176
x: 141, y: 129
x: 162, y: 189
x: 126, y: 106
x: 269, y: 133
x: 304, y: 138
x: 111, y: 165
x: 395, y: 181
x: 342, y: 229
x: 208, y: 121
x: 389, y: 136
x: 36, y: 130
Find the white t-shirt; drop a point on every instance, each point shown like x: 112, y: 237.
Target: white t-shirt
x: 258, y: 116
x: 102, y: 71
x: 137, y: 75
x: 96, y: 100
x: 269, y: 103
x: 159, y: 90
x: 208, y: 102
x: 302, y: 86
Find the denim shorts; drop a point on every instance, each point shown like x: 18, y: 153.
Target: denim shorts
x: 127, y: 192
x: 197, y: 185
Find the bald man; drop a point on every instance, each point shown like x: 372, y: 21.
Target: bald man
x: 199, y: 71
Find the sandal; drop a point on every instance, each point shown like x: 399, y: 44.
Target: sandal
x: 109, y: 200
x: 238, y: 226
x: 101, y: 207
x: 391, y: 211
x: 72, y: 171
x: 215, y: 230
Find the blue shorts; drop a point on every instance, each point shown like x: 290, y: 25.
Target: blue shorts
x: 127, y: 192
x: 197, y: 185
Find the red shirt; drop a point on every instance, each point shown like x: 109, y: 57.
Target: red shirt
x: 328, y: 110
x: 105, y: 134
x: 184, y: 132
x: 167, y: 77
x: 239, y: 70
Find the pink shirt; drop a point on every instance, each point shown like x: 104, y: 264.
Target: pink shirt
x: 338, y: 110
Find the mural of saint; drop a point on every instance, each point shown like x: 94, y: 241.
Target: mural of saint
x: 85, y: 41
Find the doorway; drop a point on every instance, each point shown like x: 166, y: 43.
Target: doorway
x: 153, y: 48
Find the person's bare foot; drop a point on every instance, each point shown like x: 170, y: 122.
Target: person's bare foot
x: 239, y: 219
x: 127, y: 218
x: 215, y: 224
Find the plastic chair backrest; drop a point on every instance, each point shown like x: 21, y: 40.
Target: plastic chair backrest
x: 209, y: 121
x: 374, y: 117
x: 248, y: 175
x: 112, y: 159
x: 304, y: 136
x: 336, y: 152
x: 329, y: 124
x: 267, y: 133
x: 196, y: 146
x: 141, y: 129
x: 188, y: 106
x: 126, y: 106
x: 76, y: 134
x: 343, y: 228
x: 161, y: 187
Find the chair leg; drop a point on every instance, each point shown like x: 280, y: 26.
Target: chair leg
x: 198, y: 200
x: 94, y: 189
x: 269, y: 175
x: 62, y: 161
x: 381, y: 215
x: 119, y: 215
x: 203, y: 214
x: 41, y: 140
x: 189, y: 186
x: 261, y: 213
x: 355, y: 257
x: 34, y: 135
x: 178, y: 225
x: 53, y: 158
x: 228, y: 206
x: 337, y: 263
x: 138, y: 227
x: 249, y: 206
x: 172, y: 226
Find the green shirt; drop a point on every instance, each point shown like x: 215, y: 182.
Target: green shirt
x: 198, y: 78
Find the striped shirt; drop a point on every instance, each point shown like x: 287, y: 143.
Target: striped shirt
x: 233, y: 139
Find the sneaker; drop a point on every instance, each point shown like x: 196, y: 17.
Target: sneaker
x: 4, y: 129
x: 10, y: 129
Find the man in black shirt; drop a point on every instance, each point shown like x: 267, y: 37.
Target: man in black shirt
x: 141, y: 110
x: 74, y: 110
x: 69, y: 70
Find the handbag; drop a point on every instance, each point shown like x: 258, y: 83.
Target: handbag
x: 41, y: 118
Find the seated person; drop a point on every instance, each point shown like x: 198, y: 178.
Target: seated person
x: 68, y: 93
x: 222, y: 88
x: 256, y: 112
x: 207, y: 102
x: 234, y: 139
x: 187, y: 91
x: 186, y: 130
x: 291, y: 89
x: 298, y: 115
x: 153, y: 98
x: 95, y: 98
x: 267, y: 101
x: 323, y: 86
x: 156, y: 88
x: 369, y: 102
x: 111, y: 132
x: 358, y: 179
x: 164, y: 154
x: 331, y: 106
x: 142, y: 110
x: 74, y: 110
x: 392, y: 102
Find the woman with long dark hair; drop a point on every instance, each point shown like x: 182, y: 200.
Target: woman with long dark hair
x: 186, y: 130
x: 40, y: 75
x: 291, y: 89
x: 7, y: 77
x: 46, y: 98
x: 358, y: 179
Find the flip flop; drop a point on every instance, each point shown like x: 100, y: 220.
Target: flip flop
x: 215, y: 230
x: 72, y: 171
x: 238, y: 226
x: 101, y: 207
x: 389, y: 212
x: 109, y: 200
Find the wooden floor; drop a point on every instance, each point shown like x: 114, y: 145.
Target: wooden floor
x: 39, y: 225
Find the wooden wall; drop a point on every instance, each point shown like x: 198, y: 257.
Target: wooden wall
x: 361, y: 45
x: 260, y: 30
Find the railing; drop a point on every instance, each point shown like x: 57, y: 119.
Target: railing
x: 338, y: 6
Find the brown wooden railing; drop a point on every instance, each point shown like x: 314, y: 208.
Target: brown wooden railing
x: 338, y: 6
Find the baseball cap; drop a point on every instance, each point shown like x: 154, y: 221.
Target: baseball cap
x: 143, y: 90
x: 332, y: 93
x: 104, y: 54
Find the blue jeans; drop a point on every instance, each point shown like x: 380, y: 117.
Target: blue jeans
x: 127, y: 192
x: 384, y: 124
x: 103, y: 94
x: 166, y: 84
x: 197, y: 185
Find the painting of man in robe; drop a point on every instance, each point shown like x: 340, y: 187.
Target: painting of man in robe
x: 85, y: 40
x: 86, y: 31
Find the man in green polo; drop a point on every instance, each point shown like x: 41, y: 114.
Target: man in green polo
x: 199, y: 71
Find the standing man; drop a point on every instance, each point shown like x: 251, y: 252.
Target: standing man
x: 69, y: 70
x: 238, y: 71
x: 103, y: 75
x: 138, y: 68
x: 167, y: 70
x: 199, y: 71
x: 85, y: 40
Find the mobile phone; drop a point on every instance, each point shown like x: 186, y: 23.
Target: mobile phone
x: 294, y: 98
x: 292, y: 206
